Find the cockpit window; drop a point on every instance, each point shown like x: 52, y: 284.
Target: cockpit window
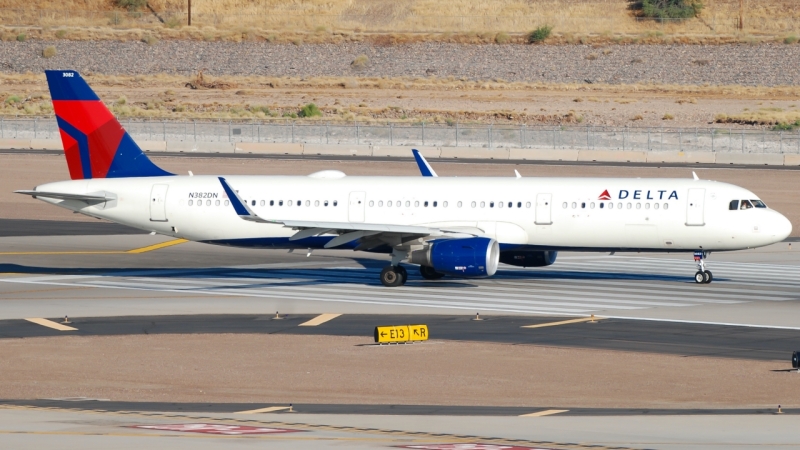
x: 734, y: 205
x: 745, y: 205
x: 758, y: 204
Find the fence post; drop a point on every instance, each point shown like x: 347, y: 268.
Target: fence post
x: 648, y: 139
x: 194, y: 129
x: 35, y: 127
x: 521, y: 136
x: 623, y: 139
x: 713, y: 132
x: 588, y: 143
x: 2, y: 127
x: 391, y: 134
x: 358, y: 136
x: 490, y: 136
x: 781, y: 135
x: 554, y: 138
x: 456, y: 134
x: 164, y: 129
x: 292, y: 132
x: 423, y: 133
x: 680, y: 141
x: 742, y: 141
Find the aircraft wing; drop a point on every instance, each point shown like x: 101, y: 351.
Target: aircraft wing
x: 424, y: 167
x: 89, y: 198
x: 372, y: 235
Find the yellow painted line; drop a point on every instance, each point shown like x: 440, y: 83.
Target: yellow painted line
x: 548, y: 412
x: 51, y: 324
x: 263, y: 410
x: 150, y: 248
x: 319, y: 320
x: 563, y: 322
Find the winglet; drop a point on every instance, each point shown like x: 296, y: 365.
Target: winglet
x: 241, y: 208
x: 517, y: 173
x: 424, y: 167
x: 695, y: 176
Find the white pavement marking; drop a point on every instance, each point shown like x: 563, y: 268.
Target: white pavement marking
x: 548, y: 412
x: 264, y: 410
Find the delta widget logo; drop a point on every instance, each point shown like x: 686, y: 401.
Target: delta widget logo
x: 605, y: 195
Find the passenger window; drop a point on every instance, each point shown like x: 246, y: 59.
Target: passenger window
x: 583, y: 205
x: 483, y: 204
x: 425, y: 204
x: 216, y: 203
x: 528, y: 204
x: 380, y: 203
x: 602, y: 205
x: 299, y: 203
x: 190, y: 202
x: 416, y: 204
x: 458, y: 204
x: 629, y: 206
x: 734, y: 205
x: 280, y: 202
x: 647, y: 206
x: 400, y: 203
x: 655, y: 206
x: 253, y: 203
x: 619, y: 205
x: 574, y: 205
x: 316, y: 203
x: 389, y: 204
x: 491, y: 204
x: 519, y: 204
x: 408, y: 203
x: 272, y: 203
x: 261, y: 203
x: 473, y: 204
x: 638, y: 206
x: 611, y: 205
x: 289, y: 203
x: 308, y: 202
x: 745, y: 205
x: 510, y: 204
x: 371, y: 203
x: 227, y: 203
x: 499, y: 204
x: 336, y: 203
x: 758, y: 204
x: 444, y: 204
x: 326, y: 203
x: 591, y: 205
x: 564, y: 205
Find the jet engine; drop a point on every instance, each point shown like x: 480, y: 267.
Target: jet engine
x: 523, y: 258
x: 468, y: 257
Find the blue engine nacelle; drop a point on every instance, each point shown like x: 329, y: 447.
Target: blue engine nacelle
x: 524, y: 258
x: 469, y: 257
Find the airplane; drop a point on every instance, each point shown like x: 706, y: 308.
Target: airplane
x: 460, y: 227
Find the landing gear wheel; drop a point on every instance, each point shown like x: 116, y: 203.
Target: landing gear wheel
x: 707, y: 276
x: 391, y: 277
x: 429, y: 273
x: 699, y: 277
x: 403, y: 274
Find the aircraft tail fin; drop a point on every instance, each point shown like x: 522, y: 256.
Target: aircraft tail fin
x: 95, y: 144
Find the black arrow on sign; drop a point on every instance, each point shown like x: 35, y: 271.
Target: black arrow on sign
x: 383, y: 334
x: 416, y: 331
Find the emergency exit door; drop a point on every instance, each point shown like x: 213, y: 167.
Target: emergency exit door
x: 158, y: 203
x: 543, y: 207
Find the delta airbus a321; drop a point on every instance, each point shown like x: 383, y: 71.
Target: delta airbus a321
x: 458, y: 227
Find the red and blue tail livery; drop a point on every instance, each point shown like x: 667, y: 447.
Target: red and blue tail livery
x: 95, y: 144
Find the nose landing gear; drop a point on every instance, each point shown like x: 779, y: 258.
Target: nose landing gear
x: 703, y: 276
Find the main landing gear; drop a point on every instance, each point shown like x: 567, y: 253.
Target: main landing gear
x: 392, y: 276
x: 702, y: 276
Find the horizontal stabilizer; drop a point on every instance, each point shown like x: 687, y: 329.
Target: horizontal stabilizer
x: 89, y: 198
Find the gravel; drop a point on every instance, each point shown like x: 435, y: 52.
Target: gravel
x: 739, y: 64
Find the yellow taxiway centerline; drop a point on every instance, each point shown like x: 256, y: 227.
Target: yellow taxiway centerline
x: 149, y: 248
x: 563, y: 322
x: 548, y: 412
x: 319, y: 320
x: 50, y: 324
x: 264, y: 410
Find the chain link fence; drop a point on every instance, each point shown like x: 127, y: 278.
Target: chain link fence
x: 420, y: 134
x: 709, y: 24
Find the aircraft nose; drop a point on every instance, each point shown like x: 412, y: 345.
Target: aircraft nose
x: 780, y: 227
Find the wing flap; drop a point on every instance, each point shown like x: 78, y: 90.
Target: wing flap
x: 90, y: 198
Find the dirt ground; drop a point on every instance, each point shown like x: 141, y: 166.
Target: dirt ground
x: 431, y: 100
x: 326, y: 369
x: 778, y: 188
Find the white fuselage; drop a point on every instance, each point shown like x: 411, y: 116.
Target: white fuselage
x: 547, y: 213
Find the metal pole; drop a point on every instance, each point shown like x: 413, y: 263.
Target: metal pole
x: 194, y: 122
x: 712, y: 140
x: 680, y: 141
x: 292, y: 132
x: 490, y: 136
x: 2, y: 127
x: 521, y: 137
x: 258, y: 132
x: 190, y: 13
x: 456, y: 134
x: 327, y: 133
x: 391, y: 134
x: 730, y: 139
x: 358, y: 136
x: 781, y: 141
x: 588, y: 143
x: 648, y: 139
x: 423, y: 133
x: 164, y: 129
x: 554, y: 138
x: 623, y: 139
x: 742, y: 141
x: 35, y: 127
x: 230, y: 132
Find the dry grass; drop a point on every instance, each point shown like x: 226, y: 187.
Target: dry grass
x: 573, y: 21
x: 763, y: 116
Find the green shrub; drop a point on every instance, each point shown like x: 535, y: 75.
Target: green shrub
x: 22, y: 37
x: 49, y: 52
x: 502, y: 38
x: 150, y: 40
x: 791, y: 39
x: 310, y: 110
x: 540, y: 34
x: 787, y: 126
x: 361, y: 62
x: 13, y: 99
x: 173, y: 22
x: 132, y: 5
x: 61, y: 34
x: 669, y: 9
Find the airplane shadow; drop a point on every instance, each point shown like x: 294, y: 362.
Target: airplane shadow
x: 367, y: 274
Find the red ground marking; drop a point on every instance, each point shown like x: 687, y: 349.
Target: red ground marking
x: 470, y: 447
x: 230, y: 430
